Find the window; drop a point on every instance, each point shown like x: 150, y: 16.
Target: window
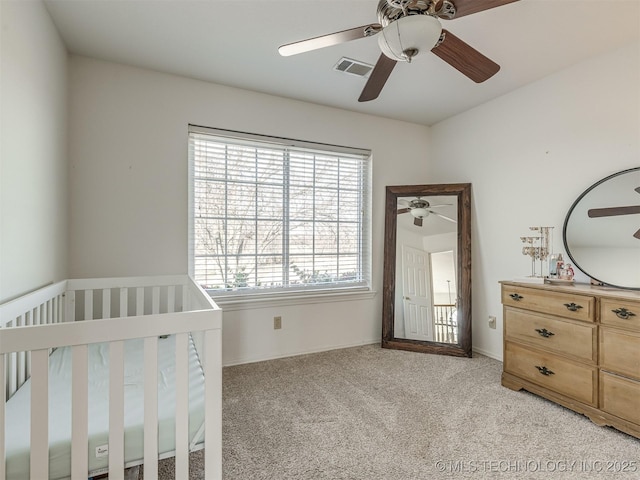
x: 271, y: 215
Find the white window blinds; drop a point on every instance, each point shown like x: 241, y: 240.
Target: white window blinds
x: 271, y: 214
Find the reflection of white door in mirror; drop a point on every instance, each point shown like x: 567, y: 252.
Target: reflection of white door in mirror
x: 417, y: 296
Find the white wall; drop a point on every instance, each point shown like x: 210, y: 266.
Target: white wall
x: 33, y: 150
x: 128, y: 154
x: 529, y: 154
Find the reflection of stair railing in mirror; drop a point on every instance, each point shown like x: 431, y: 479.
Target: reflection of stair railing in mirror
x: 445, y: 322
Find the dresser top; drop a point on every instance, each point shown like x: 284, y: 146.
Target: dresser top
x: 580, y: 288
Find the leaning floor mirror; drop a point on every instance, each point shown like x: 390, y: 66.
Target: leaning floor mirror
x: 427, y: 269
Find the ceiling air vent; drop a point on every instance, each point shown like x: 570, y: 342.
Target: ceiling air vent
x: 354, y: 67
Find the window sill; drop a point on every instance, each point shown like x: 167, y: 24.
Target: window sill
x: 252, y: 301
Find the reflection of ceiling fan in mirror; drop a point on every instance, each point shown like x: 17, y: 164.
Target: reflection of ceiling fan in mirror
x: 408, y: 28
x: 420, y: 209
x: 615, y: 211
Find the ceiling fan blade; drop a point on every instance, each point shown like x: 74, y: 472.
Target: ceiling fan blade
x: 403, y: 210
x: 467, y: 7
x: 329, y: 39
x: 637, y: 234
x: 440, y: 205
x: 465, y: 58
x: 613, y: 211
x: 377, y: 78
x: 443, y: 216
x: 417, y: 221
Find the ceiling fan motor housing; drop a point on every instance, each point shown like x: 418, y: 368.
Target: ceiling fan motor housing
x: 408, y: 36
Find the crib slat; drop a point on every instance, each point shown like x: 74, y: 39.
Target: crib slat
x: 171, y: 299
x: 59, y: 311
x: 116, y: 410
x: 22, y: 368
x: 106, y: 303
x: 140, y: 301
x: 3, y: 401
x: 27, y: 365
x: 21, y: 360
x: 36, y: 316
x: 79, y: 407
x: 155, y: 300
x: 182, y: 405
x: 151, y: 408
x: 70, y: 304
x: 186, y: 299
x: 124, y: 301
x: 88, y: 305
x: 49, y: 310
x: 213, y: 404
x: 39, y: 414
x: 13, y: 377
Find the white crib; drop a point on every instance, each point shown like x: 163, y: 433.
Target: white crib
x: 131, y: 371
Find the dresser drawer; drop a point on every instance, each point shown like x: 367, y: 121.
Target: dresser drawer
x: 576, y: 307
x: 620, y: 313
x: 571, y: 379
x: 620, y: 396
x: 576, y: 339
x: 620, y: 352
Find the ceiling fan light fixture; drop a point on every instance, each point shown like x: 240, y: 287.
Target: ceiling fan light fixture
x: 419, y: 212
x: 406, y: 37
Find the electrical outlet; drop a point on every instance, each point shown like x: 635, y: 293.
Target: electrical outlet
x: 492, y: 321
x: 277, y: 323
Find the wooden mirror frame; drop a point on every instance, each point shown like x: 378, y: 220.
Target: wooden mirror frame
x: 463, y: 269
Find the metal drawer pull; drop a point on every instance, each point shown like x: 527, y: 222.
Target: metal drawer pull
x: 574, y: 307
x: 516, y: 297
x: 544, y: 332
x: 545, y: 371
x: 623, y: 313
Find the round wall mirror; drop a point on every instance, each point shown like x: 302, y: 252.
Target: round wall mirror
x: 602, y: 230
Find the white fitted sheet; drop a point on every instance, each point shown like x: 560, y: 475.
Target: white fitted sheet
x: 18, y: 408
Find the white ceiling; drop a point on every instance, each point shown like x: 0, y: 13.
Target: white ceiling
x: 235, y: 43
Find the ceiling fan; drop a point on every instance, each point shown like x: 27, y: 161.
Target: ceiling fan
x: 420, y: 209
x: 407, y: 28
x: 615, y: 211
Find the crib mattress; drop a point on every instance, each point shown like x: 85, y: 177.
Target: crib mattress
x: 18, y: 408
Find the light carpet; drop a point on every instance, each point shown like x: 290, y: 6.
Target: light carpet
x: 370, y: 413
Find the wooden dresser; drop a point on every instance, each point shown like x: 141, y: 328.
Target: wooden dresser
x: 576, y: 345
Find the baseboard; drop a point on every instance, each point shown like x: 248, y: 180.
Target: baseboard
x: 242, y: 361
x: 486, y: 353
